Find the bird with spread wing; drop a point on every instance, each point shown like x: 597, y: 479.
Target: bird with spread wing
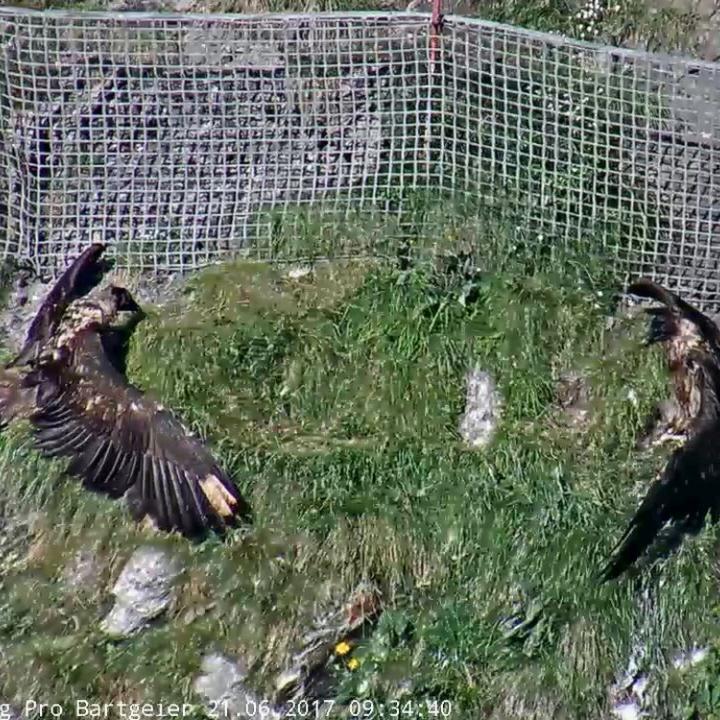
x: 69, y: 381
x: 688, y: 488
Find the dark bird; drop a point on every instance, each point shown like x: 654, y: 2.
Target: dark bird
x: 689, y: 485
x: 680, y: 499
x: 681, y: 329
x: 119, y: 441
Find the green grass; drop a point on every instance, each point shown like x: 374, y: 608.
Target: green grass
x: 335, y: 401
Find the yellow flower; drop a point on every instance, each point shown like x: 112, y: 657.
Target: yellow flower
x: 353, y: 664
x: 342, y: 648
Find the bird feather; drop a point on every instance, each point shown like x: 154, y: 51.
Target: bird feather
x: 139, y: 446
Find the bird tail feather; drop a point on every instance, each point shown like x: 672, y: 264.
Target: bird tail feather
x: 637, y: 538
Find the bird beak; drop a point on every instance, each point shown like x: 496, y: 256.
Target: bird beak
x: 129, y: 316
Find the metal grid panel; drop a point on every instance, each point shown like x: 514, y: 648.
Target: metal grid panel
x: 172, y: 136
x: 185, y: 139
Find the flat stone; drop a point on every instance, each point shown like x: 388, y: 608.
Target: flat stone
x: 143, y: 591
x: 483, y: 407
x: 222, y: 685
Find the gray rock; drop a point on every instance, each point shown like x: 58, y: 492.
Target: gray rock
x: 143, y: 591
x: 483, y: 407
x: 222, y: 685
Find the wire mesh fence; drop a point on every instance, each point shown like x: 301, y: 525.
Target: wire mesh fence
x: 614, y: 147
x: 183, y: 140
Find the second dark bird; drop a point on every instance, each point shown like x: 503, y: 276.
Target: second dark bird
x: 688, y: 489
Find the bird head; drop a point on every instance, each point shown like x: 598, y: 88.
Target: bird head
x: 112, y: 308
x: 119, y: 309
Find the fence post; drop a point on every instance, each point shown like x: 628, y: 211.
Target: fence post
x: 436, y: 22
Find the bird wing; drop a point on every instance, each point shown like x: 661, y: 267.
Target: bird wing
x: 78, y: 280
x: 688, y: 488
x: 120, y: 440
